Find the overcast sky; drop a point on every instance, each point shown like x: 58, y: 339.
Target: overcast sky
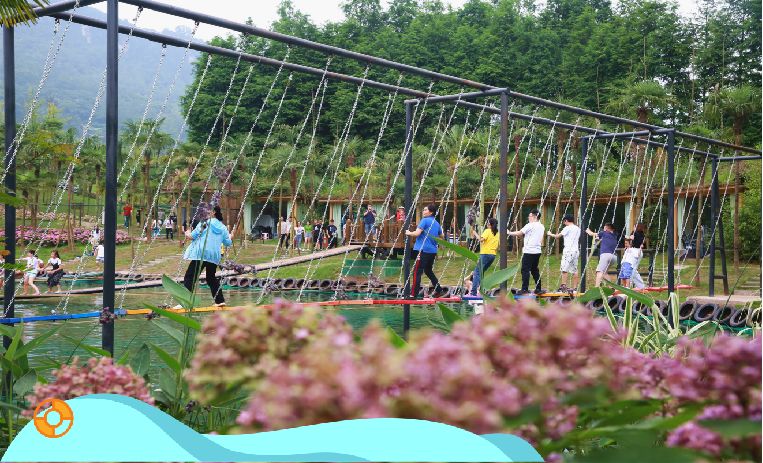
x: 263, y: 12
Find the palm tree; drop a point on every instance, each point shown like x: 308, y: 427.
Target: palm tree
x: 647, y: 97
x: 735, y: 104
x: 13, y: 12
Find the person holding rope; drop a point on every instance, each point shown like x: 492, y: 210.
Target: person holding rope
x: 533, y: 233
x: 606, y: 250
x: 425, y: 250
x: 570, y: 254
x: 488, y: 250
x: 204, y: 253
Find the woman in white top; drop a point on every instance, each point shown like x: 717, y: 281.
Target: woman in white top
x: 55, y: 272
x: 30, y: 273
x: 299, y: 236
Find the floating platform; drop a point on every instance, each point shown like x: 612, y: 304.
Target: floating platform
x: 300, y: 259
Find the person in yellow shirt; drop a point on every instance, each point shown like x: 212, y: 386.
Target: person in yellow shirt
x: 488, y: 249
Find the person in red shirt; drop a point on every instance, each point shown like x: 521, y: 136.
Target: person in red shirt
x: 127, y: 212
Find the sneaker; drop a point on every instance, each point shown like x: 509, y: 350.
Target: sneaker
x: 439, y: 293
x: 563, y: 289
x: 523, y: 292
x: 539, y: 291
x: 178, y: 307
x: 221, y: 304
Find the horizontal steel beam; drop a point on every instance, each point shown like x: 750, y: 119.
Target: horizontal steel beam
x: 62, y: 6
x: 461, y: 96
x: 620, y: 134
x: 740, y: 158
x: 622, y: 120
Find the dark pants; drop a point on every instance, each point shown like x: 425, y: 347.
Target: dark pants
x: 284, y: 241
x: 316, y: 241
x: 424, y: 264
x: 169, y: 233
x: 192, y: 273
x: 332, y: 241
x: 530, y: 266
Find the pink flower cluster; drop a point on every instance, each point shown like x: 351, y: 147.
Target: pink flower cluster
x: 98, y: 376
x: 302, y: 368
x: 728, y: 374
x: 57, y: 237
x: 241, y: 346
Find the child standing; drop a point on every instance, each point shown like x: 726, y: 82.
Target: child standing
x: 631, y: 257
x: 30, y: 273
x: 570, y: 254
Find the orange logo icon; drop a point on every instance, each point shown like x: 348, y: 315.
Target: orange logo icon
x: 53, y: 418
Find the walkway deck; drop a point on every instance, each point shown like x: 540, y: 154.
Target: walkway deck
x: 307, y: 257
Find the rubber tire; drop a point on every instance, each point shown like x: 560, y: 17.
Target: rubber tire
x: 325, y: 285
x: 686, y: 310
x: 739, y: 318
x: 705, y: 312
x: 723, y: 315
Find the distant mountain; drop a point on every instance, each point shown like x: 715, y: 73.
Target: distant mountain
x: 73, y: 82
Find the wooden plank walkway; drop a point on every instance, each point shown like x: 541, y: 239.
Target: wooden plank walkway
x: 301, y: 259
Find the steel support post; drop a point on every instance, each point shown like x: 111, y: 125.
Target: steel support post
x: 110, y: 225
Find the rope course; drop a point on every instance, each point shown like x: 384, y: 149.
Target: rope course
x: 56, y: 199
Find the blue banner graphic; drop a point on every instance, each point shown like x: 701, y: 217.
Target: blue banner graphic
x: 107, y: 427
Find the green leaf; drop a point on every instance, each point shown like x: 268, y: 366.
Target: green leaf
x: 173, y: 332
x: 179, y: 293
x: 174, y: 316
x: 629, y: 412
x: 168, y: 360
x: 397, y: 341
x: 92, y: 349
x: 15, y: 341
x: 638, y: 454
x: 25, y: 384
x: 9, y: 331
x: 26, y: 348
x: 528, y: 414
x: 449, y: 315
x: 731, y: 429
x: 668, y: 424
x: 595, y: 293
x: 167, y: 384
x: 124, y: 358
x: 460, y: 250
x: 494, y: 279
x: 641, y: 297
x: 141, y: 361
x: 10, y: 200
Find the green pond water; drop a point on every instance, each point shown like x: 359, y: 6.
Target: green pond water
x: 133, y: 331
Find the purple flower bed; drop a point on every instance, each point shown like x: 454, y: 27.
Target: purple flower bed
x: 557, y: 376
x: 57, y: 237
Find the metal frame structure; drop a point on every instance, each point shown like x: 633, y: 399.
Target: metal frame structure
x: 59, y: 10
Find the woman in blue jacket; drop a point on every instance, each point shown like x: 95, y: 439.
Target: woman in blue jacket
x: 204, y: 252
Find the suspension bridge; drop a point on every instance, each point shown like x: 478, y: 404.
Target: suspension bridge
x: 568, y: 158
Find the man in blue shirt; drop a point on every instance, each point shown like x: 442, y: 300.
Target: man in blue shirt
x: 425, y: 250
x: 607, y: 248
